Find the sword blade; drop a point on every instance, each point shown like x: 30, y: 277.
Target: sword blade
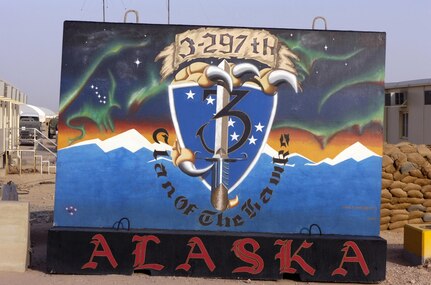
x: 219, y: 189
x: 221, y: 128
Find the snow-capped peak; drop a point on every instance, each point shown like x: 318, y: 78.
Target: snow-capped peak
x: 356, y: 151
x: 131, y: 140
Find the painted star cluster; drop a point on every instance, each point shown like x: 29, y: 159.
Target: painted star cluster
x: 71, y: 210
x: 100, y: 97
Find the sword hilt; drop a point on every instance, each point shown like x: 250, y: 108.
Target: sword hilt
x: 220, y: 180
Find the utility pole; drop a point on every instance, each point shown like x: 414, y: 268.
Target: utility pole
x: 103, y: 10
x: 169, y: 12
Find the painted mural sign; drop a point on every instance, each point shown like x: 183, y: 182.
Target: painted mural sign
x: 220, y: 129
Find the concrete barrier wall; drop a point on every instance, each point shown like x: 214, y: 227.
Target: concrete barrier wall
x: 14, y: 236
x: 406, y: 185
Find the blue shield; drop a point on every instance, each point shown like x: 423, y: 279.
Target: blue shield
x: 250, y: 115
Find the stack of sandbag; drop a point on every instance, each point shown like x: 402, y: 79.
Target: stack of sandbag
x: 406, y: 185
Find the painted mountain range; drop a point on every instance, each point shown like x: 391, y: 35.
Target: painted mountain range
x: 133, y: 141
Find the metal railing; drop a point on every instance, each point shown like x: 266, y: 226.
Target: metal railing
x: 37, y: 135
x: 43, y: 150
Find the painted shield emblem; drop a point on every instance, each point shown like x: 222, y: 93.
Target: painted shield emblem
x: 222, y: 124
x: 226, y: 131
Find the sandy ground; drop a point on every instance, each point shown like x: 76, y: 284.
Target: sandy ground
x: 39, y: 190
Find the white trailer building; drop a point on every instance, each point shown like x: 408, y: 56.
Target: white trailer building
x: 408, y: 112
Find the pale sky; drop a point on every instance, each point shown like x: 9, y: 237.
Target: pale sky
x: 31, y: 30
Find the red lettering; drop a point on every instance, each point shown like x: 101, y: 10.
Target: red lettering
x: 97, y: 240
x: 286, y: 258
x: 242, y: 253
x: 140, y: 252
x: 359, y: 258
x: 203, y: 254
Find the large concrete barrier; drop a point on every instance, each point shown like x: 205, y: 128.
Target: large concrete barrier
x: 14, y: 236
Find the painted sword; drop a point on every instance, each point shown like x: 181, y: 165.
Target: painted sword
x: 221, y: 159
x: 220, y: 173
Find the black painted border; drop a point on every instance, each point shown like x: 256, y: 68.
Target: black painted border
x: 70, y: 248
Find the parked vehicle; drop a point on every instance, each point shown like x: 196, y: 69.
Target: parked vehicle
x: 27, y: 126
x: 52, y: 128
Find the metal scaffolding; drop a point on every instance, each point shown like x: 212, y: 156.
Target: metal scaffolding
x: 10, y: 99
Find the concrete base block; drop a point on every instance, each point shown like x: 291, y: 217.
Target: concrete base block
x: 14, y: 236
x: 417, y: 243
x: 234, y: 255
